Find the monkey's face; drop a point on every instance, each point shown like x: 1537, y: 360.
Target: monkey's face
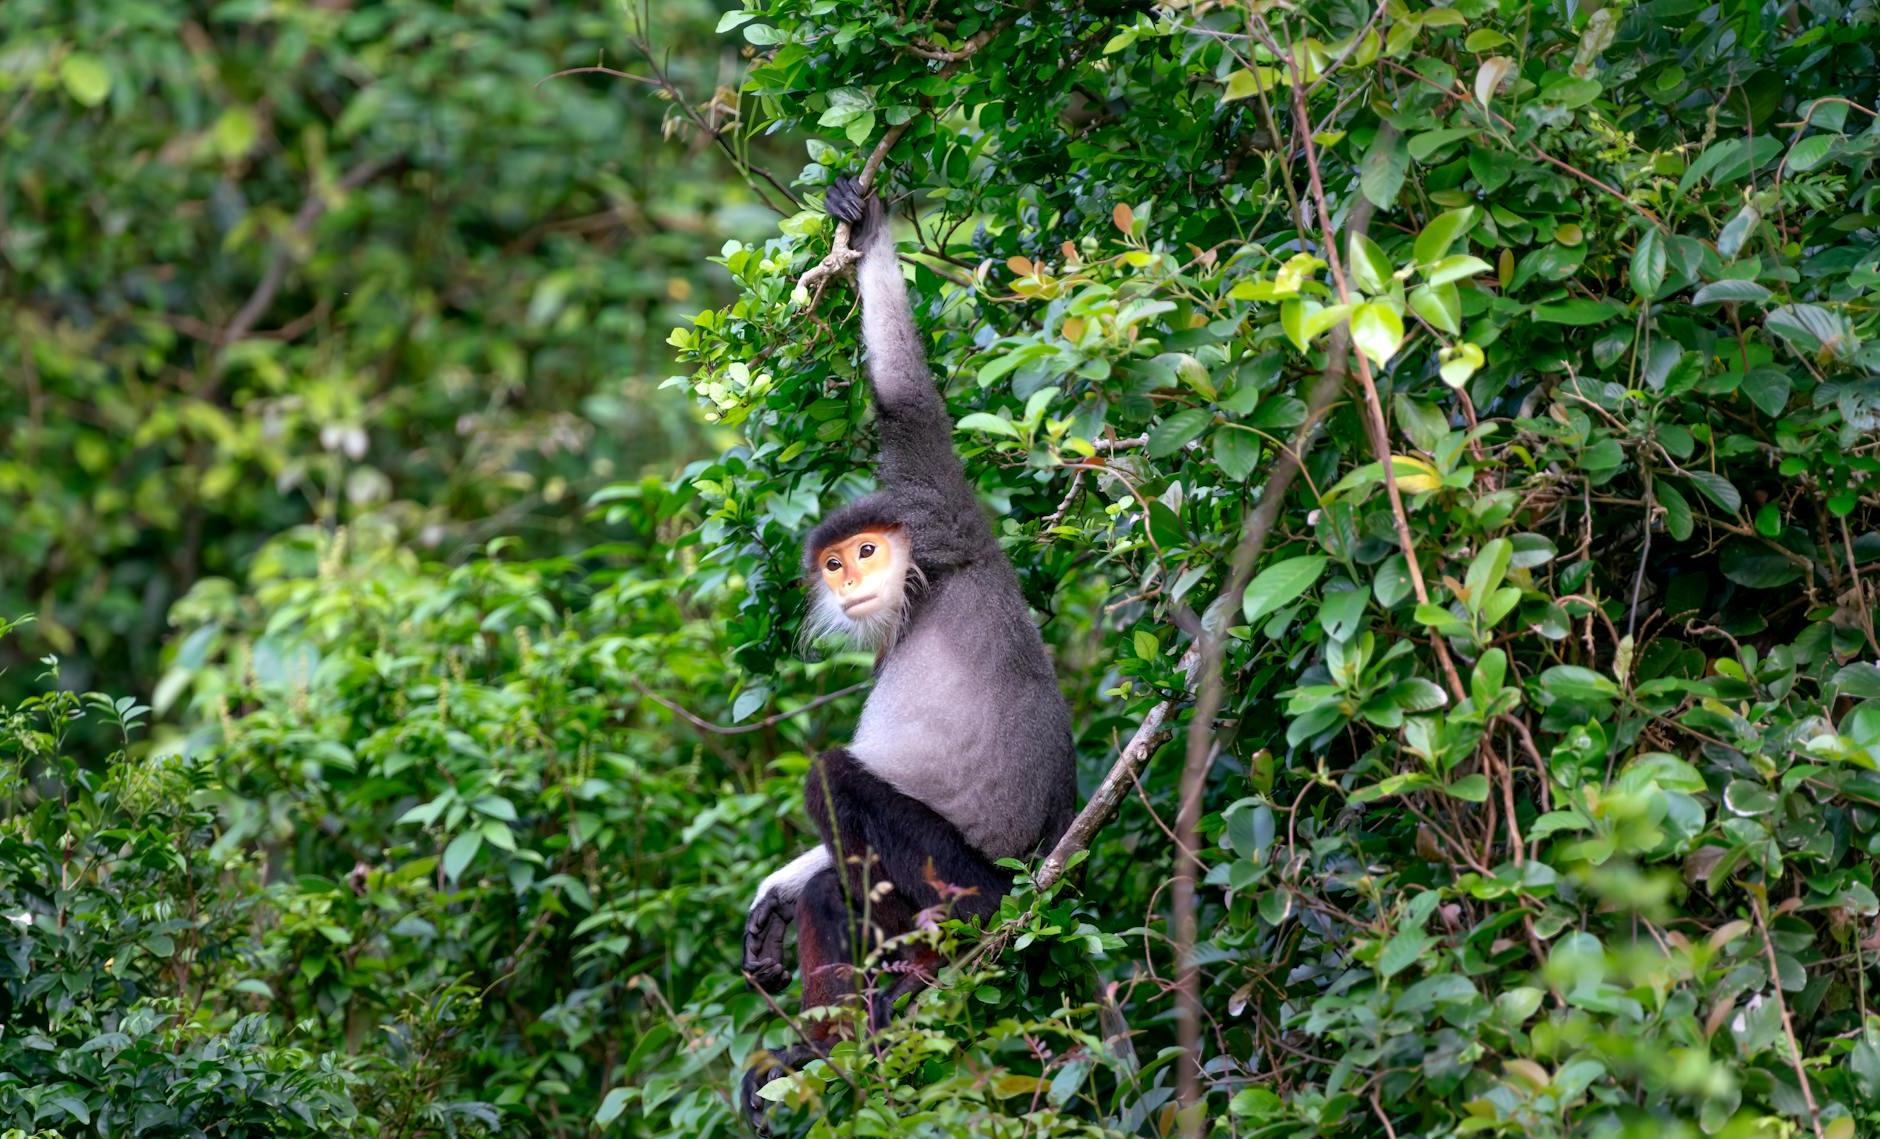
x: 865, y: 573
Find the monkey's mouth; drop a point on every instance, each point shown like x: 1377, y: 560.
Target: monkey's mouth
x: 850, y: 606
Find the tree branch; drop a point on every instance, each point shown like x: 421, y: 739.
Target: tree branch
x: 1115, y: 786
x: 704, y: 725
x: 840, y: 256
x: 305, y: 218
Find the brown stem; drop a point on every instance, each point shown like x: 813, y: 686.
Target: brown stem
x: 1201, y: 745
x: 1782, y: 1006
x: 705, y: 725
x: 310, y: 212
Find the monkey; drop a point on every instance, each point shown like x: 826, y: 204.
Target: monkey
x: 963, y: 753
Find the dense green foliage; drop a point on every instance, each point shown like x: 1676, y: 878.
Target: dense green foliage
x: 234, y: 234
x: 1546, y: 800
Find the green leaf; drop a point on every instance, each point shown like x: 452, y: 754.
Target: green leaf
x: 1810, y: 328
x: 1768, y: 388
x: 458, y: 854
x: 1402, y: 951
x: 1756, y: 566
x: 1441, y: 232
x: 1487, y: 677
x: 1678, y: 521
x: 1571, y: 682
x: 1455, y: 269
x: 1811, y: 152
x: 1237, y: 450
x: 1278, y: 584
x: 1648, y: 264
x: 1381, y: 174
x: 1718, y: 292
x: 1440, y: 305
x: 1370, y: 267
x: 1376, y: 331
x: 85, y: 77
x: 986, y: 421
x: 1717, y: 489
x: 1577, y: 312
x: 1469, y: 788
x: 1486, y: 572
x: 1391, y: 583
x: 1423, y: 145
x: 1769, y: 520
x: 1418, y: 694
x: 1178, y: 430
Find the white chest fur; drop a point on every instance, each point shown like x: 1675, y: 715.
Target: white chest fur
x: 926, y: 730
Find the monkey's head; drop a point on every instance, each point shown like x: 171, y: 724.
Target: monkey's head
x: 862, y: 576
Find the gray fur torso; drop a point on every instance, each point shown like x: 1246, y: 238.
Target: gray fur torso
x: 966, y: 715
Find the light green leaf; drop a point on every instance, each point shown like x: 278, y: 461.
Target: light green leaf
x: 1381, y: 173
x: 458, y: 854
x: 1244, y: 83
x: 1278, y: 584
x: 1370, y: 267
x: 1577, y: 311
x: 86, y: 78
x: 1455, y: 269
x: 1459, y: 363
x: 1377, y: 331
x: 1441, y: 233
x: 1440, y: 305
x: 986, y: 421
x: 616, y: 1101
x: 1469, y: 788
x: 1737, y: 230
x: 1486, y: 572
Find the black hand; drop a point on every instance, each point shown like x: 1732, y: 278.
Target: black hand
x: 847, y: 201
x: 763, y: 944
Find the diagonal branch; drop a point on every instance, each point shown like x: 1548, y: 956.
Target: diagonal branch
x: 275, y: 275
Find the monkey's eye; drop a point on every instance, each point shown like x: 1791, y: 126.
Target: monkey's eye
x: 868, y: 549
x: 833, y: 565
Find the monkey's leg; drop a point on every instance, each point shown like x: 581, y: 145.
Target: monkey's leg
x: 826, y: 933
x: 881, y: 836
x: 877, y: 832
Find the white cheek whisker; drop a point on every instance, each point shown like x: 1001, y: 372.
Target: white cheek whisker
x: 877, y: 631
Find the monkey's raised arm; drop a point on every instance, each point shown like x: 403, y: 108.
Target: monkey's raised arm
x: 918, y: 466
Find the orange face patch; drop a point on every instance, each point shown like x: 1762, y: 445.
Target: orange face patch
x: 855, y: 569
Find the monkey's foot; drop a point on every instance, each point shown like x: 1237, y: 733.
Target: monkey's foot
x: 846, y: 200
x: 763, y: 945
x: 862, y: 209
x: 768, y: 1066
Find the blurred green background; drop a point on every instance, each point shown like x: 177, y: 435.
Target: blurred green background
x: 266, y: 263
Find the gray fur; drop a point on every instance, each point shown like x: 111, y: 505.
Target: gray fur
x: 966, y: 714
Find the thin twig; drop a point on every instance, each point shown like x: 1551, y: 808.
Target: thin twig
x: 275, y: 275
x: 705, y: 725
x: 1782, y: 1006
